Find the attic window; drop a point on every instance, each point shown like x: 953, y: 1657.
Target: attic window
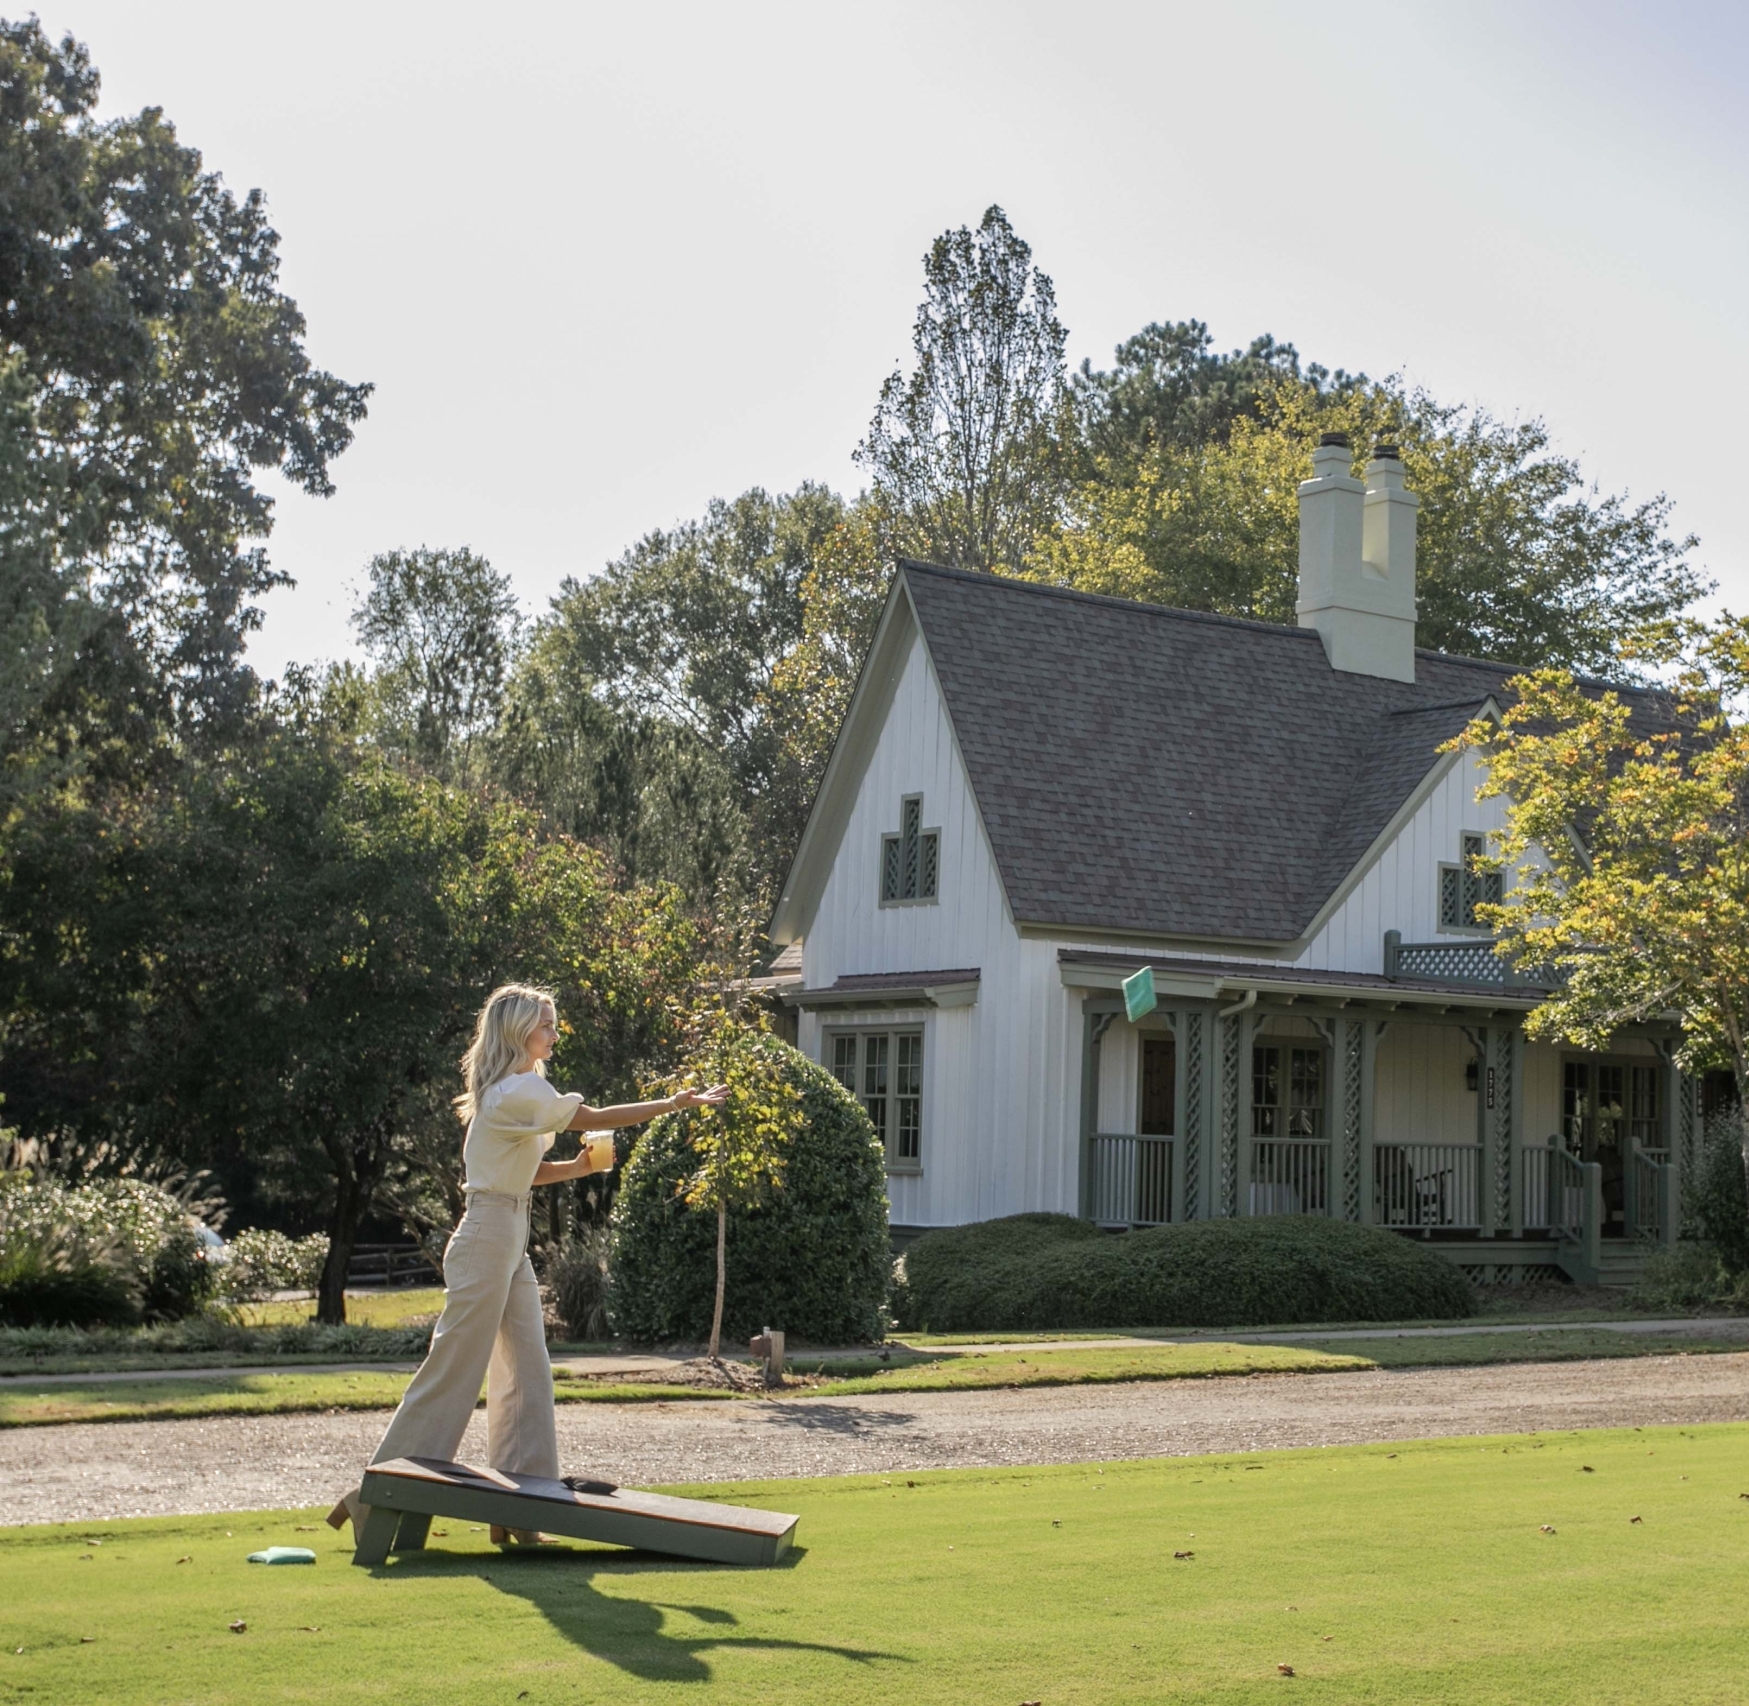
x: 1466, y: 885
x: 910, y: 860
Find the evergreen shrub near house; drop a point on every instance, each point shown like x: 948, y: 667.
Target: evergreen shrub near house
x: 813, y: 1260
x: 1035, y: 1272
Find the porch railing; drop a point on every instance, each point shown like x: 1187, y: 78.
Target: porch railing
x: 1564, y: 1196
x: 1651, y: 1202
x: 1289, y: 1176
x: 1131, y: 1179
x: 1468, y: 960
x: 1427, y: 1184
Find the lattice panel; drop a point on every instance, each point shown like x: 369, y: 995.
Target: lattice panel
x: 1190, y: 1030
x: 1688, y: 1138
x: 1505, y: 1052
x: 1451, y: 962
x: 1230, y: 1029
x: 1353, y: 1087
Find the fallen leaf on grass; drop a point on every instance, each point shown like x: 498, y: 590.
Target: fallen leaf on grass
x: 441, y: 1533
x: 239, y: 1627
x: 306, y: 1528
x: 1285, y: 1670
x: 86, y: 1640
x: 1056, y: 1522
x: 1389, y: 1455
x: 186, y: 1558
x: 311, y: 1628
x: 1183, y: 1554
x: 1547, y: 1529
x: 1586, y: 1469
x: 1326, y: 1637
x: 1633, y: 1519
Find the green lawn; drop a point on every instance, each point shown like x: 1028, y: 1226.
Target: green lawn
x: 372, y: 1309
x: 1416, y: 1573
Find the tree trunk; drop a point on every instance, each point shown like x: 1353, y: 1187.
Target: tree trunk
x: 342, y: 1239
x: 717, y: 1313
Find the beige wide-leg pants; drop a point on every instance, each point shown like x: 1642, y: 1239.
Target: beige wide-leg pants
x: 490, y: 1330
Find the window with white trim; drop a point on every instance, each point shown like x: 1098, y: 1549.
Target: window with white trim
x: 1466, y: 885
x: 884, y: 1071
x: 911, y: 858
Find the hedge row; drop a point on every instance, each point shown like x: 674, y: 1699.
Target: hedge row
x: 1035, y: 1272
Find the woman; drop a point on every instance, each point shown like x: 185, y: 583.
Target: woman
x: 491, y: 1328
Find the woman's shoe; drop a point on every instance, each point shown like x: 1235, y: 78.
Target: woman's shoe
x: 516, y: 1536
x: 349, y: 1510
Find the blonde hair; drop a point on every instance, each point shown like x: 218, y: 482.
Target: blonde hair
x: 500, y: 1042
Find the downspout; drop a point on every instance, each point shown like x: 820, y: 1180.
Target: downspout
x: 1249, y: 1002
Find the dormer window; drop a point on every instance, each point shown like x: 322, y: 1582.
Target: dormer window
x: 1466, y: 885
x: 911, y: 859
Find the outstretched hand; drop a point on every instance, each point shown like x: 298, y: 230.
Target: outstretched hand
x: 714, y: 1097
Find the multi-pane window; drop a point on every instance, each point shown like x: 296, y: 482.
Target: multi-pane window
x: 884, y: 1071
x: 910, y: 860
x: 1287, y: 1091
x: 1466, y: 885
x: 1609, y: 1105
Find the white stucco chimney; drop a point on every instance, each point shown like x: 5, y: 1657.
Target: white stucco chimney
x: 1357, y: 561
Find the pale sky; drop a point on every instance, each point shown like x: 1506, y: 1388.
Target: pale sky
x: 604, y: 263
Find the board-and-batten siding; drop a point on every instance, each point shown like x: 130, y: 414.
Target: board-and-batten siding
x: 1001, y: 1079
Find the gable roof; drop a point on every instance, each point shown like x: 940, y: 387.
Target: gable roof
x: 1167, y: 773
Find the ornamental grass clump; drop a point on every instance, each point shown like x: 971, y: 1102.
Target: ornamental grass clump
x: 810, y: 1257
x: 1035, y: 1272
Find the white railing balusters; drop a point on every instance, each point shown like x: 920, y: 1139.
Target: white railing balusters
x: 1289, y: 1176
x: 1131, y: 1179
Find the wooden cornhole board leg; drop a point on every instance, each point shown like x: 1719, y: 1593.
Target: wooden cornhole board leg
x: 406, y: 1493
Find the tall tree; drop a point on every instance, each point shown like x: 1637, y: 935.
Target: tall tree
x: 1168, y: 385
x: 441, y: 628
x: 1518, y: 558
x: 968, y: 454
x: 154, y: 368
x: 1630, y: 837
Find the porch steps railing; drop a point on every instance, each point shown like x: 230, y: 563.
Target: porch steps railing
x: 1427, y: 1184
x: 1653, y: 1209
x: 1131, y: 1179
x: 1289, y: 1175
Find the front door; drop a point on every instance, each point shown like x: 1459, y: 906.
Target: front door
x: 1607, y: 1107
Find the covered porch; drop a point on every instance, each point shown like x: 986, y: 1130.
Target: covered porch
x: 1411, y: 1102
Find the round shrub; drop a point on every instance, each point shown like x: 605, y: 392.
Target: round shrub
x: 1050, y: 1271
x: 813, y: 1260
x: 259, y: 1262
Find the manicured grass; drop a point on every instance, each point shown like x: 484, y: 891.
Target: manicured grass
x: 369, y: 1309
x: 1087, y: 1368
x: 24, y: 1404
x: 1419, y: 1573
x: 1575, y: 1344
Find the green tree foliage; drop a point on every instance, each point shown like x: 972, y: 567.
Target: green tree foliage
x: 1629, y: 839
x: 1168, y: 385
x: 441, y: 629
x: 812, y: 1259
x: 967, y: 455
x: 1517, y: 558
x: 154, y: 366
x: 642, y: 714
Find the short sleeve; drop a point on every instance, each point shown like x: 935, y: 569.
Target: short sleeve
x: 531, y: 1107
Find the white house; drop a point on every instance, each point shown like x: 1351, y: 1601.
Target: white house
x: 1037, y: 792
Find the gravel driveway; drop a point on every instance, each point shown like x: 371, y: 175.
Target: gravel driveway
x: 116, y: 1469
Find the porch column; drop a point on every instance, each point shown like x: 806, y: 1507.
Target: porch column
x: 1234, y: 1033
x: 1192, y: 1113
x: 1354, y: 1056
x: 1502, y: 1053
x: 1097, y: 1021
x: 1678, y: 1105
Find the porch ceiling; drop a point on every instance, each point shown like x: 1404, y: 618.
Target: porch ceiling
x: 1212, y: 980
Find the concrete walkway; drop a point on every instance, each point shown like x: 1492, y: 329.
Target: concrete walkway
x: 630, y: 1366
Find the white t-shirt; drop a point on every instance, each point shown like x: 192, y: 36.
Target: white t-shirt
x: 512, y: 1128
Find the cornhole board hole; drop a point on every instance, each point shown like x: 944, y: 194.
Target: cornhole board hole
x: 405, y: 1493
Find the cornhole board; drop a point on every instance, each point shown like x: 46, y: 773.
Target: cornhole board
x: 405, y: 1493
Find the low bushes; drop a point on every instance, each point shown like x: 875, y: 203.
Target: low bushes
x: 1035, y: 1272
x: 814, y: 1260
x: 108, y: 1252
x: 1692, y: 1276
x: 258, y: 1263
x: 577, y: 1280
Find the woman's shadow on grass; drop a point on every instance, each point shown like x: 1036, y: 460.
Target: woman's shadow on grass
x: 627, y: 1632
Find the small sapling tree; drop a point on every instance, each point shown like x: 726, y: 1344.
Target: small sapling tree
x: 739, y: 1149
